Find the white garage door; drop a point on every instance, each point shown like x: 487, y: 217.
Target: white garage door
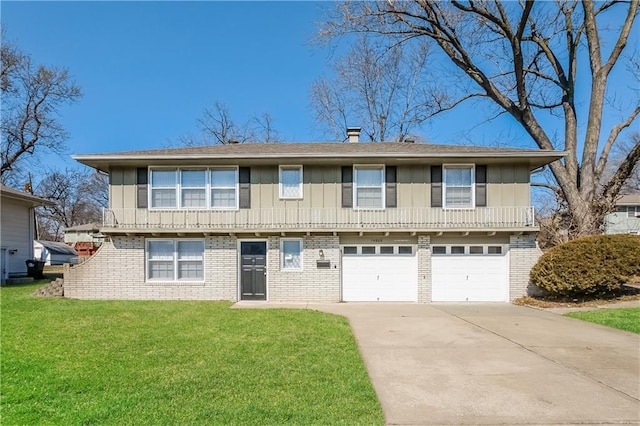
x: 469, y: 273
x: 385, y: 273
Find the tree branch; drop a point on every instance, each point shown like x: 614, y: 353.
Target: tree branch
x: 626, y: 168
x: 556, y: 190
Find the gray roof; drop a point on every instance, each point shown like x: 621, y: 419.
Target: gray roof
x: 257, y: 153
x: 22, y: 196
x: 58, y: 248
x: 85, y: 227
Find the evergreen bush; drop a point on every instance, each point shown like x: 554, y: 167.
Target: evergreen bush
x: 595, y: 266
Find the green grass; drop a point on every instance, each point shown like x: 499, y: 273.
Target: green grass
x: 126, y: 362
x: 627, y: 319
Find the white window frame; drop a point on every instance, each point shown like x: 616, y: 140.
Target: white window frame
x: 473, y: 185
x: 181, y: 187
x: 381, y: 167
x: 300, y: 185
x: 236, y: 187
x: 175, y: 260
x: 282, y: 260
x: 178, y: 187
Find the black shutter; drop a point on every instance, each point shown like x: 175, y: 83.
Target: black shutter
x: 481, y: 186
x: 142, y: 182
x: 347, y: 186
x: 436, y: 186
x: 245, y: 187
x: 391, y: 195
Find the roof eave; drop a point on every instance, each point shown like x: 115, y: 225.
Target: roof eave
x: 33, y: 200
x: 101, y: 161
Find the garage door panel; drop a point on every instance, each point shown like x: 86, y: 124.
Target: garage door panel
x: 379, y: 278
x: 473, y: 278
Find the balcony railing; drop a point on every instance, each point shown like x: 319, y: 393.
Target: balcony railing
x: 325, y: 219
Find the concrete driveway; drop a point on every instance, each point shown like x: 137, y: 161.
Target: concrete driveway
x: 494, y: 364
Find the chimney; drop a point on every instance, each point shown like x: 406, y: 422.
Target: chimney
x: 353, y: 134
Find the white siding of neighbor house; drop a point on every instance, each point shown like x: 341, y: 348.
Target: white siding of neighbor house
x: 17, y: 234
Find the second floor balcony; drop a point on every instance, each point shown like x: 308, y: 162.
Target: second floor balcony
x: 321, y: 219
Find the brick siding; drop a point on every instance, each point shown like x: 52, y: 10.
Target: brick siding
x: 311, y: 283
x: 424, y: 268
x: 117, y: 271
x: 523, y: 254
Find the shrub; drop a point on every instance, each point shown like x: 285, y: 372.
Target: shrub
x: 593, y: 266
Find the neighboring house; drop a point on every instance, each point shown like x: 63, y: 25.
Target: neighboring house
x: 85, y: 239
x: 322, y: 222
x: 626, y: 218
x: 54, y: 253
x: 17, y: 230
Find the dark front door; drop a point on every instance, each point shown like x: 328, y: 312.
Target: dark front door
x: 253, y: 270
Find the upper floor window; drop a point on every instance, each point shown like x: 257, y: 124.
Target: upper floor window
x: 193, y: 185
x: 291, y: 182
x: 458, y: 186
x: 368, y: 187
x: 224, y: 188
x: 193, y: 188
x: 163, y: 188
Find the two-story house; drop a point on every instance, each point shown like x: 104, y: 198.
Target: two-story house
x: 323, y: 222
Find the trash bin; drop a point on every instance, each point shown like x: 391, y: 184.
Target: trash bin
x: 35, y: 269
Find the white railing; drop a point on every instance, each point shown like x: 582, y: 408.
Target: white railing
x: 327, y: 219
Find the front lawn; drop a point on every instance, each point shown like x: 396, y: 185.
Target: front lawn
x: 624, y: 319
x: 176, y: 362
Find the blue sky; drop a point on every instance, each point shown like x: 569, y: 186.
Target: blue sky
x: 148, y: 69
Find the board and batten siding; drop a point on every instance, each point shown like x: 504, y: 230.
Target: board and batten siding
x: 17, y: 234
x: 122, y: 188
x: 507, y: 185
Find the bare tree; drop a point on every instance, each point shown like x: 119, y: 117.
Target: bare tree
x: 526, y: 59
x: 78, y: 199
x: 263, y: 128
x: 31, y: 98
x: 218, y: 127
x: 632, y: 185
x: 382, y: 88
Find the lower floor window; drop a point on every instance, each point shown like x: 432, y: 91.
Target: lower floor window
x: 175, y: 260
x: 291, y: 252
